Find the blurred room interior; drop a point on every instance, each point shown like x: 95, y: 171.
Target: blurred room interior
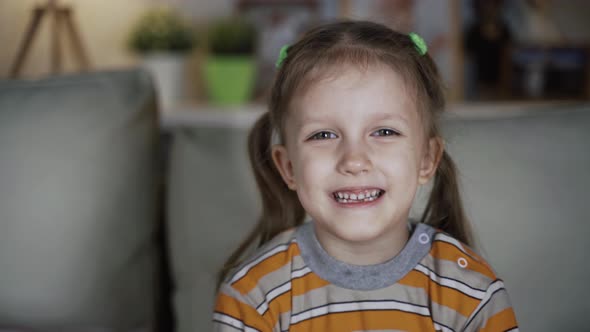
x: 94, y: 212
x: 487, y: 51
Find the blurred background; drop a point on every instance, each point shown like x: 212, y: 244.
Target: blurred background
x: 492, y: 50
x: 123, y: 191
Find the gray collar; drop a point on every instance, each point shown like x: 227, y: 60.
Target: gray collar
x: 364, y: 277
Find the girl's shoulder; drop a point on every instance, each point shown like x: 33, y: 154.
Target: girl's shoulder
x: 450, y: 258
x: 242, y: 299
x: 460, y: 279
x: 277, y: 252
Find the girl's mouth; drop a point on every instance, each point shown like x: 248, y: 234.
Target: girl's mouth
x: 358, y: 196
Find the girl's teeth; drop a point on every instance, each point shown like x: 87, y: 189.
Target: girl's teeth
x: 367, y: 196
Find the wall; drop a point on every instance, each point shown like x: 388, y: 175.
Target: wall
x: 103, y: 24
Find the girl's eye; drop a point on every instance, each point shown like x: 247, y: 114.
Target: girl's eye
x: 323, y: 135
x: 385, y: 132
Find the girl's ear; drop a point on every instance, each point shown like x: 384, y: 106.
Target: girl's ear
x: 431, y: 159
x: 282, y: 162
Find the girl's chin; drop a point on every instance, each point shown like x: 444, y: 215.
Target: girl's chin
x: 360, y: 235
x: 354, y: 232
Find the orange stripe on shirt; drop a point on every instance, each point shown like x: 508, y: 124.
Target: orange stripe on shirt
x: 307, y: 283
x: 442, y: 295
x: 269, y: 265
x: 228, y: 305
x: 277, y: 306
x: 366, y: 320
x: 447, y: 251
x: 299, y: 286
x: 475, y: 256
x: 502, y: 321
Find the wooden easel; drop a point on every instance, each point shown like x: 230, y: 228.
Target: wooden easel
x: 62, y: 15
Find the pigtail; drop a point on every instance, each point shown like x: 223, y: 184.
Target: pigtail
x: 444, y: 209
x: 281, y: 208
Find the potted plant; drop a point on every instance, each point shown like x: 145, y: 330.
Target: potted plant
x: 164, y: 40
x: 230, y: 66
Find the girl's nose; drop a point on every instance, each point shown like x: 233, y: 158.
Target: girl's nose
x: 354, y: 161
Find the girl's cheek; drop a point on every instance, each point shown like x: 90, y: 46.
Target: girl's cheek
x: 395, y: 160
x: 316, y: 166
x: 312, y: 155
x: 309, y: 160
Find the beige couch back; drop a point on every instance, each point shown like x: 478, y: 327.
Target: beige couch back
x: 78, y: 206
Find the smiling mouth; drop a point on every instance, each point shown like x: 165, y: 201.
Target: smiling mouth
x: 358, y: 196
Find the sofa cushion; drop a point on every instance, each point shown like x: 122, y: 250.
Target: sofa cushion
x: 525, y: 187
x: 212, y: 204
x: 78, y: 190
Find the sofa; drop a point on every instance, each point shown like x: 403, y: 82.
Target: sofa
x: 116, y: 218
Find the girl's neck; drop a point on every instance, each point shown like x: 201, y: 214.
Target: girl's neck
x: 375, y: 251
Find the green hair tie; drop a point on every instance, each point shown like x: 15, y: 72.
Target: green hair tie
x: 282, y: 55
x: 419, y: 43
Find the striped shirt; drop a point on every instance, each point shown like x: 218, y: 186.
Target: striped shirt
x: 434, y: 284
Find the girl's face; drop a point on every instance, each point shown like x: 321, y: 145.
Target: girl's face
x: 355, y: 152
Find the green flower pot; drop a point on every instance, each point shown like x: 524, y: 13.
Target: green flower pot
x: 229, y: 79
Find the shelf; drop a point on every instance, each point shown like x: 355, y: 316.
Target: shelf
x: 244, y: 116
x: 207, y: 116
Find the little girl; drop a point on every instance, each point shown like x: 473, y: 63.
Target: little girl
x: 350, y: 134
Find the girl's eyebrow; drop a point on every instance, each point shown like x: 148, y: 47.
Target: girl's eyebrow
x: 375, y: 117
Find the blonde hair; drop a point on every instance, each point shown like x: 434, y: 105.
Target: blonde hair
x: 357, y: 43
